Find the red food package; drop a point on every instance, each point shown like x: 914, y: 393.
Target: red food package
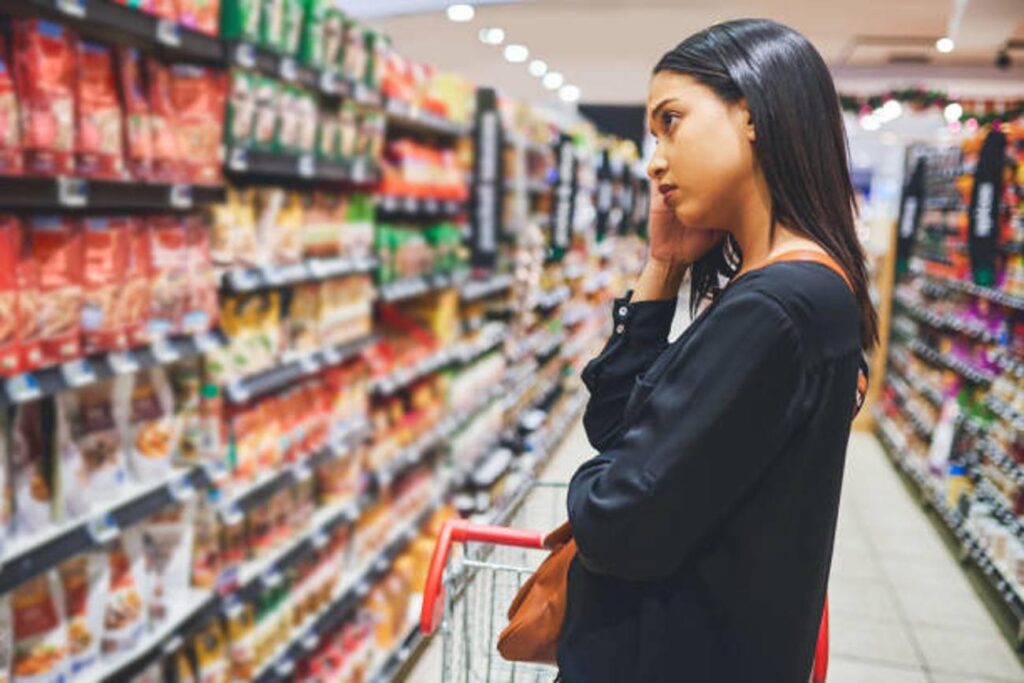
x: 201, y: 307
x: 10, y: 252
x: 106, y: 242
x: 137, y: 120
x: 166, y: 9
x: 201, y: 15
x: 167, y: 157
x: 133, y: 304
x: 168, y: 243
x: 198, y: 100
x: 57, y: 248
x: 29, y: 309
x: 10, y: 132
x: 99, y: 151
x: 44, y: 61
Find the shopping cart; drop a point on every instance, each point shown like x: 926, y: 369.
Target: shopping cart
x: 468, y: 601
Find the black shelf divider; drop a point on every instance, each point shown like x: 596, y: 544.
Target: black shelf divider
x: 71, y: 193
x: 251, y: 164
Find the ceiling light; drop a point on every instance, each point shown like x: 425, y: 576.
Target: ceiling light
x: 553, y: 80
x: 538, y: 68
x: 945, y: 44
x: 461, y: 12
x: 569, y: 93
x: 953, y: 112
x: 891, y: 111
x: 870, y: 122
x: 492, y: 36
x: 517, y: 54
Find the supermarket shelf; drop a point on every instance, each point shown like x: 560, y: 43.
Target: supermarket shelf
x: 421, y: 208
x: 1004, y: 462
x: 474, y: 290
x: 238, y: 280
x: 409, y: 119
x: 1005, y: 412
x: 289, y: 372
x: 931, y: 394
x: 949, y: 323
x: 965, y: 370
x: 82, y: 372
x: 395, y: 661
x: 549, y: 301
x: 993, y: 295
x: 528, y: 145
x: 463, y: 353
x: 410, y: 288
x: 25, y: 559
x: 245, y: 163
x: 66, y: 193
x: 111, y: 22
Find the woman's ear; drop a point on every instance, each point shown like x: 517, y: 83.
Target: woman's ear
x: 746, y: 120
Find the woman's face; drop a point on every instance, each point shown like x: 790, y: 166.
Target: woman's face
x: 704, y: 162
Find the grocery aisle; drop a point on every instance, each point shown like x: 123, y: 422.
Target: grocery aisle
x: 902, y: 610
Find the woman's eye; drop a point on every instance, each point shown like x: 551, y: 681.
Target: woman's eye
x: 668, y: 119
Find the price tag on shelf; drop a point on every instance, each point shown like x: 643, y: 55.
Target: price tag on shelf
x: 181, y: 489
x: 238, y: 159
x: 288, y: 69
x: 310, y: 642
x: 123, y: 362
x: 231, y: 514
x: 307, y: 166
x: 72, y: 193
x: 410, y: 204
x: 103, y: 529
x: 360, y: 173
x: 274, y: 276
x: 329, y: 81
x: 284, y: 668
x: 309, y: 364
x: 78, y: 373
x: 181, y: 196
x: 164, y: 351
x: 243, y: 280
x: 216, y: 473
x: 207, y: 342
x: 245, y: 55
x: 332, y: 356
x: 172, y: 645
x: 72, y: 8
x: 431, y: 206
x: 23, y: 388
x: 168, y: 33
x: 302, y: 473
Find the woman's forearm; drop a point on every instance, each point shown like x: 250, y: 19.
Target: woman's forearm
x: 659, y: 280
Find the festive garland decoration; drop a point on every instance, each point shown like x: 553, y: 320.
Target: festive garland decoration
x: 919, y: 99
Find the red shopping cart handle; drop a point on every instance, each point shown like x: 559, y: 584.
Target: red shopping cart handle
x: 460, y: 531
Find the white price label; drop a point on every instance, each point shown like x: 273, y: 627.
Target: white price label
x: 245, y: 55
x: 164, y: 351
x: 273, y: 276
x: 288, y: 69
x: 73, y: 8
x: 359, y: 171
x: 329, y: 81
x: 243, y: 280
x: 207, y: 342
x: 72, y: 192
x: 410, y: 204
x: 23, y: 388
x: 181, y: 196
x: 168, y: 33
x: 123, y: 363
x: 309, y: 365
x: 78, y: 373
x: 307, y: 166
x: 238, y: 158
x: 102, y: 530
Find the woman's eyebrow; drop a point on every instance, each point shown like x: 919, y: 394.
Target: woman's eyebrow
x: 658, y: 107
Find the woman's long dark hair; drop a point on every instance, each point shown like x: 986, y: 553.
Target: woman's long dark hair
x: 801, y: 144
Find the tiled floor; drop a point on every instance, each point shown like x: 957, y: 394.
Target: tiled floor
x: 902, y: 611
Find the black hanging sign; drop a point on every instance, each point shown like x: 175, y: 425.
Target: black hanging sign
x: 627, y: 200
x: 488, y: 181
x: 564, y: 209
x: 605, y: 195
x: 911, y: 206
x: 984, y: 210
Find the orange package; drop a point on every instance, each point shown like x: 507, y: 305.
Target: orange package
x: 198, y: 97
x: 10, y: 131
x: 10, y: 252
x: 138, y: 122
x: 57, y: 249
x: 168, y: 243
x: 167, y: 155
x: 98, y: 132
x: 105, y: 246
x: 44, y: 60
x: 201, y: 307
x: 200, y: 15
x: 133, y: 303
x: 29, y: 312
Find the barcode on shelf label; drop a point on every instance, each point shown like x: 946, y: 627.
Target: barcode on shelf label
x: 78, y: 373
x: 164, y: 351
x: 207, y: 342
x: 73, y: 8
x: 102, y: 530
x: 332, y: 356
x: 245, y: 55
x: 172, y: 645
x: 359, y: 171
x: 181, y: 196
x: 123, y: 363
x: 307, y: 167
x: 181, y: 490
x: 431, y: 206
x: 309, y: 365
x: 168, y: 33
x: 329, y: 81
x: 410, y: 204
x: 243, y: 280
x: 288, y: 69
x: 72, y: 192
x: 23, y: 388
x: 238, y: 158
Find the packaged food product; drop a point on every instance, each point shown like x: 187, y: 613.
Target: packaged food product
x: 124, y: 620
x: 241, y: 19
x: 44, y: 60
x: 153, y: 429
x: 57, y: 248
x: 272, y: 24
x: 211, y: 654
x: 197, y: 97
x: 98, y: 132
x: 182, y: 667
x: 201, y: 307
x: 168, y: 538
x: 29, y: 313
x: 241, y: 652
x: 138, y: 123
x: 10, y: 128
x: 31, y: 467
x: 133, y: 306
x: 291, y: 37
x: 269, y: 96
x: 333, y: 35
x: 303, y: 314
x: 10, y: 252
x: 168, y: 252
x: 85, y: 580
x: 105, y: 245
x: 242, y: 108
x: 40, y: 638
x: 167, y: 156
x: 91, y: 449
x: 186, y: 382
x: 312, y: 50
x: 6, y: 638
x: 328, y: 143
x: 201, y: 15
x: 167, y: 9
x: 207, y: 560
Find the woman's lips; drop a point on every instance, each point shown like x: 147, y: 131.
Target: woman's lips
x: 667, y: 191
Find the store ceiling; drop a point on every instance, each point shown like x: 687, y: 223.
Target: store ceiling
x: 607, y: 47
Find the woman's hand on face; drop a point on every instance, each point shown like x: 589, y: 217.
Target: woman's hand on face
x: 671, y: 242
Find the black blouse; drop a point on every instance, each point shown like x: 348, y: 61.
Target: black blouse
x: 705, y: 523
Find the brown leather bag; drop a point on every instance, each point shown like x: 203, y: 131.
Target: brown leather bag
x: 537, y: 612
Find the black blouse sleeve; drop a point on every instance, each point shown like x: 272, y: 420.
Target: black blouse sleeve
x: 722, y: 410
x: 639, y: 335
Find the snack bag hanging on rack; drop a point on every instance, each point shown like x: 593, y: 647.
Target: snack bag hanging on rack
x: 57, y: 250
x: 133, y: 304
x: 40, y: 639
x: 198, y: 99
x: 10, y: 126
x: 99, y: 136
x: 168, y: 253
x: 124, y: 620
x: 10, y: 252
x: 201, y: 305
x: 85, y: 580
x: 153, y: 430
x: 167, y: 157
x: 44, y: 59
x: 138, y: 124
x: 106, y: 243
x: 31, y: 468
x: 168, y: 537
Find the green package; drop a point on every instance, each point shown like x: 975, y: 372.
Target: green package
x: 272, y: 24
x: 241, y: 114
x: 328, y: 137
x: 333, y: 36
x: 291, y: 37
x: 240, y: 19
x: 312, y: 50
x: 267, y: 113
x: 288, y: 120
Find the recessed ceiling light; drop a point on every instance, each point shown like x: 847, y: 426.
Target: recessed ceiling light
x: 492, y: 36
x: 953, y: 111
x: 553, y: 80
x: 891, y: 111
x: 945, y: 44
x: 870, y: 122
x: 461, y: 12
x: 538, y: 68
x: 569, y: 93
x: 517, y: 54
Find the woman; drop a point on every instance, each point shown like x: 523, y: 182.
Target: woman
x: 705, y: 524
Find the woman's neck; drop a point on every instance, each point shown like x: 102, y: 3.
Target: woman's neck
x: 752, y: 230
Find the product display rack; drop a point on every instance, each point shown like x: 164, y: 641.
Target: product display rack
x: 46, y: 194
x: 950, y: 416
